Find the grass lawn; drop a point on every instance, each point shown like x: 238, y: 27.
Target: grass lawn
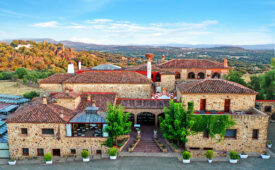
x: 15, y: 88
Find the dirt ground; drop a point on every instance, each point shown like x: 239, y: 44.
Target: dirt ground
x: 15, y: 88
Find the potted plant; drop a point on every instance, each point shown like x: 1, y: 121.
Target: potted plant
x: 155, y: 132
x: 138, y: 131
x: 243, y: 155
x: 12, y: 162
x: 265, y: 155
x: 48, y: 158
x: 209, y: 155
x: 269, y: 144
x: 186, y: 157
x: 113, y: 153
x: 85, y: 156
x: 234, y: 157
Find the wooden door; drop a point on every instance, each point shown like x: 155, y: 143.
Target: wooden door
x: 227, y: 105
x: 203, y: 104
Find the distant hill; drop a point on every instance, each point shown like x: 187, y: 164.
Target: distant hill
x: 43, y: 55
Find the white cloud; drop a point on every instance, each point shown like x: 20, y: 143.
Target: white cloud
x: 50, y: 24
x: 107, y: 31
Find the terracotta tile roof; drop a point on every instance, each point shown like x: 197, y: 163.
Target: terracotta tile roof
x: 143, y: 103
x: 41, y: 113
x: 167, y: 72
x: 66, y: 95
x: 115, y: 77
x: 101, y: 100
x: 214, y: 86
x: 191, y: 63
x: 142, y: 67
x: 57, y: 78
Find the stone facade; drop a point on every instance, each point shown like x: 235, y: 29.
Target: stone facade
x: 238, y: 102
x: 245, y: 124
x: 123, y: 90
x: 68, y: 103
x: 267, y: 106
x: 208, y: 73
x: 35, y: 139
x: 168, y: 82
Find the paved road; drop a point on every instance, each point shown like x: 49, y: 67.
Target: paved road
x: 153, y: 163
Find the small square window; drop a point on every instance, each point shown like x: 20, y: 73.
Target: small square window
x: 231, y: 133
x: 48, y: 131
x: 98, y: 151
x: 255, y: 133
x: 24, y: 131
x: 40, y: 152
x: 25, y: 151
x: 267, y: 108
x: 73, y: 151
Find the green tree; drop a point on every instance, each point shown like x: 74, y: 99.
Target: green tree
x: 255, y: 83
x: 118, y: 122
x: 268, y: 85
x: 177, y: 123
x: 235, y: 77
x: 21, y: 72
x: 31, y: 95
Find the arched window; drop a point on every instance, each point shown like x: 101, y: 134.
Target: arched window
x: 216, y: 75
x: 158, y: 77
x: 177, y: 75
x: 201, y: 75
x: 191, y: 75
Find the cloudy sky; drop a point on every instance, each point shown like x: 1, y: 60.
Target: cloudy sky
x: 143, y: 22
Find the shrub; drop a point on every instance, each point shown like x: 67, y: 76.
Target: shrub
x: 48, y: 157
x: 186, y: 155
x: 85, y: 154
x: 31, y: 95
x: 109, y: 142
x: 234, y: 155
x: 112, y: 151
x: 209, y: 154
x: 269, y: 142
x: 243, y: 153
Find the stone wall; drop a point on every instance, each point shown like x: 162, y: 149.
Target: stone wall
x: 168, y: 82
x: 138, y: 91
x: 243, y: 142
x: 46, y: 89
x: 68, y: 103
x: 35, y: 139
x: 261, y: 104
x: 156, y: 112
x: 238, y: 102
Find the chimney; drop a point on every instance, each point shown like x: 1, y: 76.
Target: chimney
x: 89, y: 98
x: 162, y: 58
x: 70, y: 67
x: 44, y: 101
x: 79, y: 65
x: 94, y: 103
x: 225, y: 62
x: 149, y: 57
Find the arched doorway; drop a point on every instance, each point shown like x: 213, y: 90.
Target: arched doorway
x: 146, y: 118
x: 191, y: 75
x: 216, y: 75
x: 177, y: 75
x: 201, y: 75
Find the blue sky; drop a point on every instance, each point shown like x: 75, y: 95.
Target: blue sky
x: 140, y: 21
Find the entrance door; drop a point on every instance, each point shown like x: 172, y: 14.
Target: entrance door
x: 56, y: 152
x: 227, y: 105
x: 203, y: 105
x: 146, y: 118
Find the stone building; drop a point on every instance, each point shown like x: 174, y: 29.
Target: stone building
x: 267, y: 106
x: 71, y: 116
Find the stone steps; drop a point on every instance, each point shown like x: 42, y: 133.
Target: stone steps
x: 147, y: 146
